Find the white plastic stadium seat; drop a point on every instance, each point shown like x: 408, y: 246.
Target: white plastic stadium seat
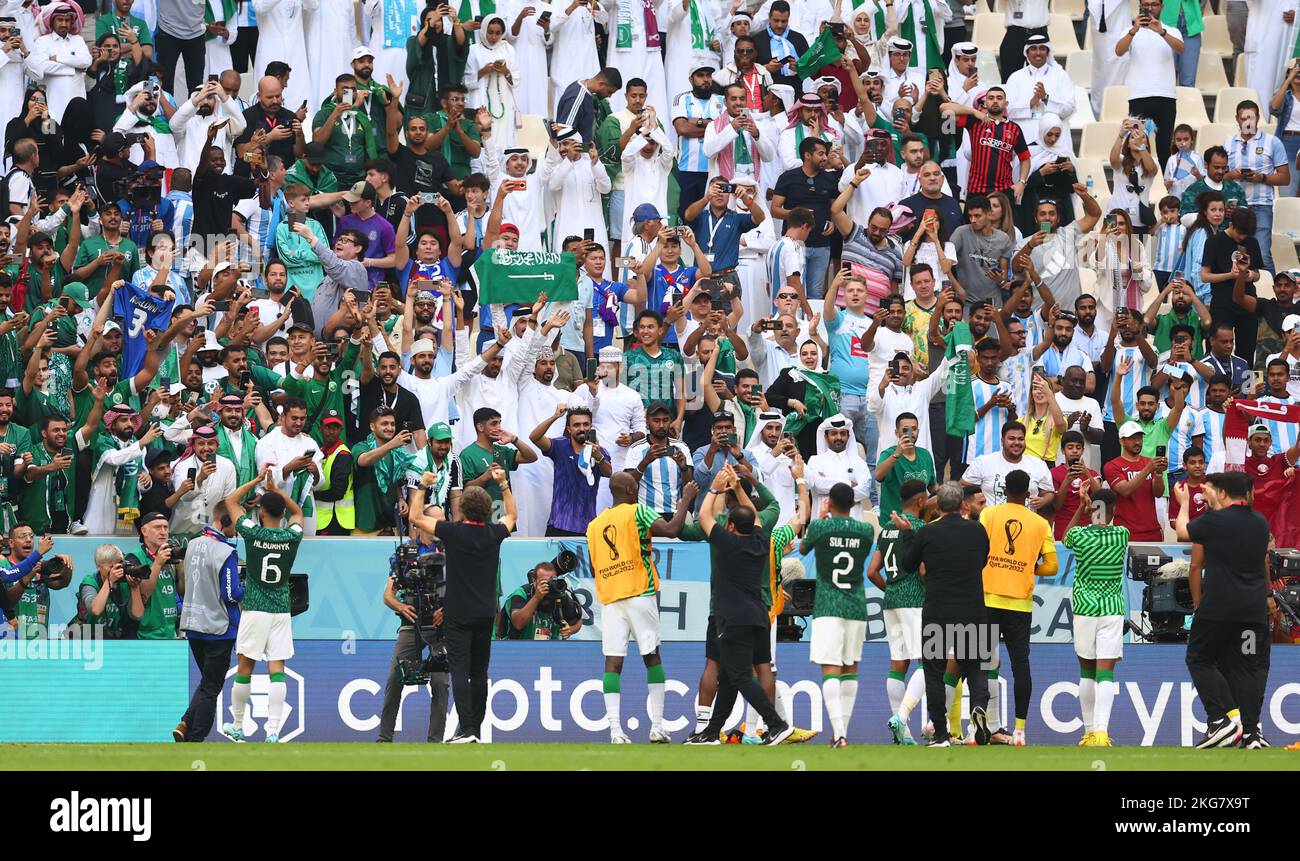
x: 532, y: 134
x: 1214, y: 134
x: 1284, y: 253
x: 1286, y: 216
x: 1225, y: 106
x: 1210, y: 76
x: 1114, y: 103
x: 1098, y: 138
x: 1239, y: 73
x: 988, y: 30
x: 1079, y: 68
x: 1092, y: 167
x: 1190, y: 107
x: 1073, y: 8
x: 1215, y: 37
x: 1264, y: 286
x: 1060, y: 34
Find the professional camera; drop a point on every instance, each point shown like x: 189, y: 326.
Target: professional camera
x: 299, y: 595
x: 564, y: 562
x: 1285, y: 565
x: 422, y: 581
x: 145, y: 189
x: 563, y: 604
x: 1167, y: 596
x: 789, y: 627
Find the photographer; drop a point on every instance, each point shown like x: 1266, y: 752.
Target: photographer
x: 409, y: 646
x: 162, y: 581
x: 27, y: 583
x: 144, y: 208
x: 473, y: 550
x: 210, y: 614
x: 108, y: 599
x: 543, y: 609
x: 1228, y: 647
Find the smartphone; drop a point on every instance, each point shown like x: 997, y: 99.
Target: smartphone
x: 212, y: 79
x: 893, y: 367
x: 730, y: 439
x: 589, y: 234
x: 591, y: 368
x: 165, y: 383
x: 624, y: 262
x: 1044, y: 227
x: 837, y: 28
x: 363, y: 296
x: 311, y: 452
x: 428, y: 197
x: 348, y: 97
x: 727, y: 188
x: 545, y: 16
x: 787, y: 436
x: 770, y: 326
x: 1160, y: 450
x: 193, y: 474
x: 1040, y: 371
x: 223, y: 305
x: 756, y: 391
x: 260, y: 293
x: 296, y: 218
x: 245, y: 378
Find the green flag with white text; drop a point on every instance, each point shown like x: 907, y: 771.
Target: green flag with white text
x: 822, y: 52
x: 506, y: 276
x: 961, y: 402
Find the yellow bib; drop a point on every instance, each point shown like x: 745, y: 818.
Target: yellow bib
x: 614, y: 542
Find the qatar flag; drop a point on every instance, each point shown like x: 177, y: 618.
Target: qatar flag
x: 1276, y: 499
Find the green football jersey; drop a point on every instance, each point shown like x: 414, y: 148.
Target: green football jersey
x: 1099, y: 554
x: 842, y: 547
x: 902, y: 588
x: 269, y: 552
x: 160, y: 610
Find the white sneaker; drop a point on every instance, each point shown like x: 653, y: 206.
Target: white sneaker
x: 659, y: 736
x: 77, y: 528
x: 619, y: 738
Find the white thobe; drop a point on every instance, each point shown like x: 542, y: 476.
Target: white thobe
x: 493, y: 91
x: 60, y: 64
x: 1107, y: 69
x: 191, y: 130
x: 217, y: 48
x: 531, y: 90
x: 576, y: 187
x: 787, y: 146
x: 751, y: 269
x: 616, y: 410
x: 501, y: 393
x: 164, y: 144
x: 829, y: 468
x: 638, y: 61
x: 435, y: 393
x: 528, y: 208
x: 882, y: 187
x: 278, y: 448
x: 777, y: 478
x: 899, y: 399
x: 329, y: 27
x: 645, y: 180
x: 101, y: 505
x: 534, y: 484
x: 573, y: 54
x: 1270, y: 41
x: 282, y: 36
x: 682, y: 57
x: 195, y: 509
x: 892, y: 82
x: 1020, y: 92
x: 389, y: 59
x: 762, y: 150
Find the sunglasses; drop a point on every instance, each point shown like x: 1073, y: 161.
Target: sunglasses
x: 787, y: 295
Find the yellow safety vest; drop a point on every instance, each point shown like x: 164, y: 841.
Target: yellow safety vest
x: 343, y: 509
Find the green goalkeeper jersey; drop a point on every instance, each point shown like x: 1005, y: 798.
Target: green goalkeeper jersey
x: 1099, y: 553
x: 269, y: 552
x: 902, y: 588
x: 842, y: 547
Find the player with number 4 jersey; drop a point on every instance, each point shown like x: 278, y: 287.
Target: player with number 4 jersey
x: 839, y: 627
x: 265, y: 630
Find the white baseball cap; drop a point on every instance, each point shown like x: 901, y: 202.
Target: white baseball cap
x: 1291, y: 322
x: 1130, y: 429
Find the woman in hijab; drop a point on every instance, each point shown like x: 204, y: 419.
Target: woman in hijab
x: 36, y: 123
x: 1052, y: 175
x: 807, y: 394
x: 490, y: 76
x: 111, y: 74
x: 80, y: 137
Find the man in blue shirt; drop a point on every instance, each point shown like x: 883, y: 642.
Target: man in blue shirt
x: 718, y: 227
x: 144, y: 208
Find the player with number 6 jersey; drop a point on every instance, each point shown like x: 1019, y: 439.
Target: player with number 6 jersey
x: 265, y: 629
x: 839, y: 627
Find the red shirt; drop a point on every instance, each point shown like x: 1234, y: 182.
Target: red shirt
x: 1067, y: 501
x: 994, y: 148
x: 1197, y: 498
x: 1267, y: 468
x: 1138, y: 510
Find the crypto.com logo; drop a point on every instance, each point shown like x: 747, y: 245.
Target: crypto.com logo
x: 292, y: 723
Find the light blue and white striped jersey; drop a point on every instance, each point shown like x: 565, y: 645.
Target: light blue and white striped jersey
x: 1263, y: 153
x: 1196, y: 394
x: 1168, y: 242
x: 246, y: 17
x: 784, y: 258
x: 1180, y: 438
x: 687, y: 106
x: 1033, y: 329
x: 987, y: 437
x: 261, y: 223
x: 1212, y: 427
x: 182, y: 218
x: 1055, y: 361
x: 1192, y: 264
x: 1284, y: 433
x: 661, y: 486
x: 1017, y: 373
x: 1138, y: 376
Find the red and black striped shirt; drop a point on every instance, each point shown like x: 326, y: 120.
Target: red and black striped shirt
x: 993, y: 149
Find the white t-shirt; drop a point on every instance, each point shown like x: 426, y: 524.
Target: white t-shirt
x: 989, y: 471
x: 20, y: 188
x: 1084, y: 404
x: 268, y: 310
x: 1151, y: 65
x: 887, y: 344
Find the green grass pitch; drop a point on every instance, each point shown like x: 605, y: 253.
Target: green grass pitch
x: 255, y: 756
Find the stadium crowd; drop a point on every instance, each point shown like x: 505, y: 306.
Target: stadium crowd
x: 814, y: 245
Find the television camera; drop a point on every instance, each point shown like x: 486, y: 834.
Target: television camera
x: 421, y: 578
x: 1167, y: 596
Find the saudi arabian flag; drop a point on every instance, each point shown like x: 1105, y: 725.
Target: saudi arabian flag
x: 822, y: 52
x: 961, y: 403
x: 506, y: 276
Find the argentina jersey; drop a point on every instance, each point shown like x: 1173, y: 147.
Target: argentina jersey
x: 1033, y: 330
x: 139, y: 310
x: 1017, y: 373
x: 1190, y: 425
x: 1055, y: 361
x: 1138, y: 376
x: 987, y: 437
x: 661, y: 485
x: 1195, y: 394
x: 1284, y: 433
x: 688, y: 106
x: 1212, y: 427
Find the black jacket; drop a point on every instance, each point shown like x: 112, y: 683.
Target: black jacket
x: 737, y: 599
x: 954, y: 551
x: 764, y: 43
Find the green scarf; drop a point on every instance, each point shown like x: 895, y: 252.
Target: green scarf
x: 122, y: 75
x: 740, y: 150
x: 228, y: 10
x: 961, y: 403
x: 623, y: 32
x: 246, y: 463
x: 821, y: 399
x: 390, y: 470
x: 907, y: 30
x: 302, y: 492
x: 800, y: 134
x: 126, y: 485
x: 486, y: 8
x: 701, y: 31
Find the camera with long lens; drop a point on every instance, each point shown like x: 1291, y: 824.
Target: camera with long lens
x: 564, y: 608
x: 421, y: 579
x: 1167, y: 594
x: 1284, y: 563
